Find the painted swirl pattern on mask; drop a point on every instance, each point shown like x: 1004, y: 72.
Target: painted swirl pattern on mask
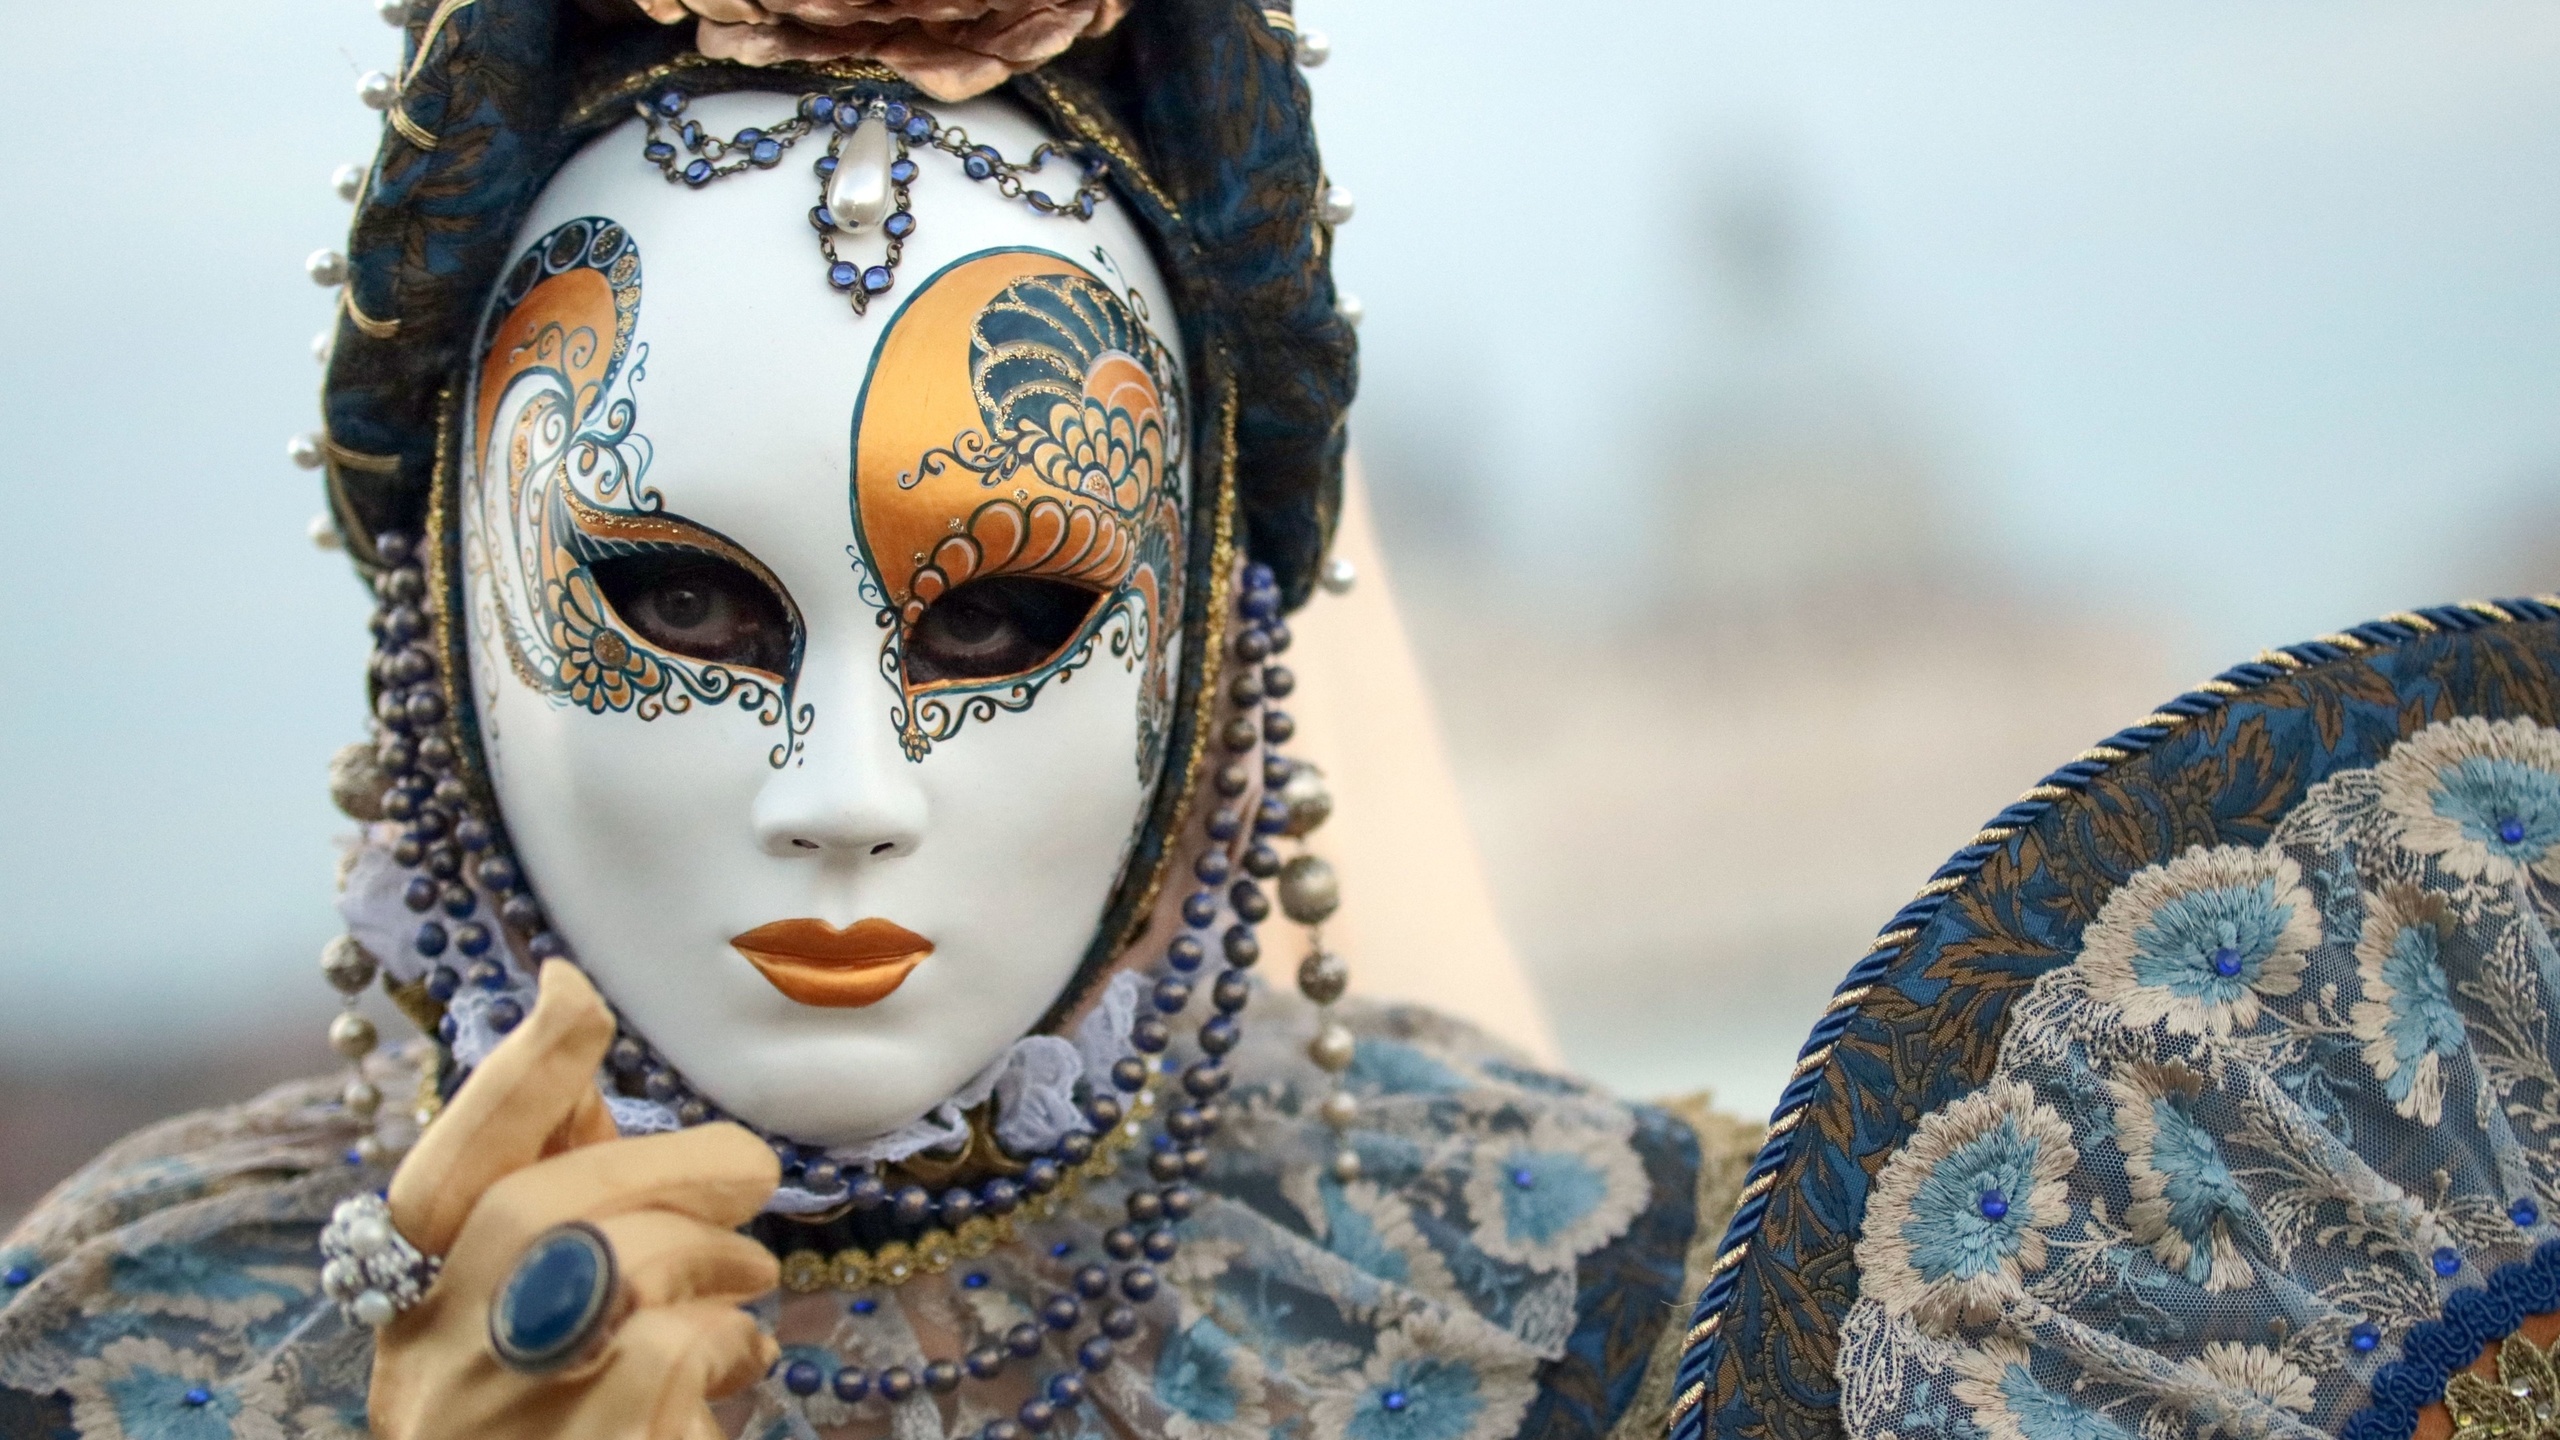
x: 1059, y: 458
x: 558, y: 484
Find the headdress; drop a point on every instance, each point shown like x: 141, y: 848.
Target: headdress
x: 1195, y: 119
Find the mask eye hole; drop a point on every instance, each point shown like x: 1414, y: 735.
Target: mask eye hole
x: 699, y: 606
x: 1001, y: 625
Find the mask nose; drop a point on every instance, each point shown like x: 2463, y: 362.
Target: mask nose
x: 851, y: 793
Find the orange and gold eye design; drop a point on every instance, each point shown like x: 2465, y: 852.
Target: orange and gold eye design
x: 603, y: 600
x: 1017, y: 492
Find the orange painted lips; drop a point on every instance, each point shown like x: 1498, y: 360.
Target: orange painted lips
x: 815, y: 963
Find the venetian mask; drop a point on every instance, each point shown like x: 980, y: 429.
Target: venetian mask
x: 823, y: 661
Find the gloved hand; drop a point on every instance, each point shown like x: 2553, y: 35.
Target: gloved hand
x: 526, y: 1145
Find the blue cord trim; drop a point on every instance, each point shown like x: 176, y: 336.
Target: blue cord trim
x: 1698, y: 1361
x: 2434, y: 1351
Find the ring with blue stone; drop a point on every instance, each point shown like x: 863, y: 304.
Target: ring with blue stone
x: 556, y: 1301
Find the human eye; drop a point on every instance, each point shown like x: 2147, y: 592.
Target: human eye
x: 993, y: 627
x: 699, y: 606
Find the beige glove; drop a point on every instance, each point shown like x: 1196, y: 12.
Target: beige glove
x: 527, y: 1144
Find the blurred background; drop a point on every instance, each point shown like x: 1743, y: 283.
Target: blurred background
x: 1794, y: 428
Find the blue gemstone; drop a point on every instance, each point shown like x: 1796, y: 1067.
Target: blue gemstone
x: 2448, y: 1261
x: 553, y: 1299
x: 1258, y: 576
x: 865, y: 1305
x: 659, y: 152
x: 876, y: 279
x: 691, y: 134
x: 902, y: 170
x: 2524, y: 1212
x: 851, y: 1384
x: 446, y: 1029
x: 1525, y: 1178
x: 1200, y: 908
x: 1059, y: 1251
x: 918, y: 127
x: 1993, y: 1204
x: 353, y: 1157
x: 505, y: 1015
x: 2511, y: 830
x: 975, y: 1280
x: 1393, y: 1400
x: 671, y: 103
x: 442, y: 983
x: 895, y: 112
x: 820, y: 219
x: 748, y: 136
x: 472, y: 938
x: 766, y: 153
x: 2364, y: 1336
x: 802, y: 1378
x: 819, y: 107
x: 198, y: 1395
x: 848, y: 116
x: 899, y: 225
x: 18, y: 1275
x: 431, y: 939
x: 1084, y: 206
x: 977, y: 167
x: 698, y: 173
x: 842, y: 274
x: 2226, y: 962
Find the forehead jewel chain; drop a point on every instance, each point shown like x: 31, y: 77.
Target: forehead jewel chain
x: 864, y: 178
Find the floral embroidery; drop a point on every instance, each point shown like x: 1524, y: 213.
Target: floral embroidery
x: 2331, y: 1236
x: 2199, y: 941
x: 1210, y: 1386
x: 2407, y: 1020
x: 2259, y: 1371
x: 1426, y: 1382
x: 2481, y: 796
x: 2185, y: 1203
x: 1375, y: 1231
x: 1963, y: 1211
x: 2000, y: 1385
x: 143, y: 1388
x: 1561, y: 1190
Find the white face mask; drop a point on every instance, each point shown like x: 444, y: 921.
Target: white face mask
x: 823, y: 669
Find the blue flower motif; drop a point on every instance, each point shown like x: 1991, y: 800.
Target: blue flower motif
x: 1960, y: 1214
x: 2186, y: 1205
x: 197, y: 1281
x: 146, y: 1389
x: 2199, y: 941
x: 1419, y: 1398
x: 1399, y: 1069
x: 1374, y: 1230
x: 1551, y: 1196
x: 2011, y: 1404
x: 2481, y: 796
x: 1211, y: 1386
x: 1424, y: 1382
x: 2406, y: 1019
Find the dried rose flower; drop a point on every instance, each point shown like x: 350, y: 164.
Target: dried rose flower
x: 950, y: 49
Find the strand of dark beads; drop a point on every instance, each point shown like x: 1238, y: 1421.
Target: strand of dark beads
x: 446, y: 842
x: 1178, y: 1154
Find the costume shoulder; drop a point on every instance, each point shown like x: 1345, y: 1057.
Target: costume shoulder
x: 171, y: 1287
x: 2213, y: 1089
x: 1511, y: 1258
